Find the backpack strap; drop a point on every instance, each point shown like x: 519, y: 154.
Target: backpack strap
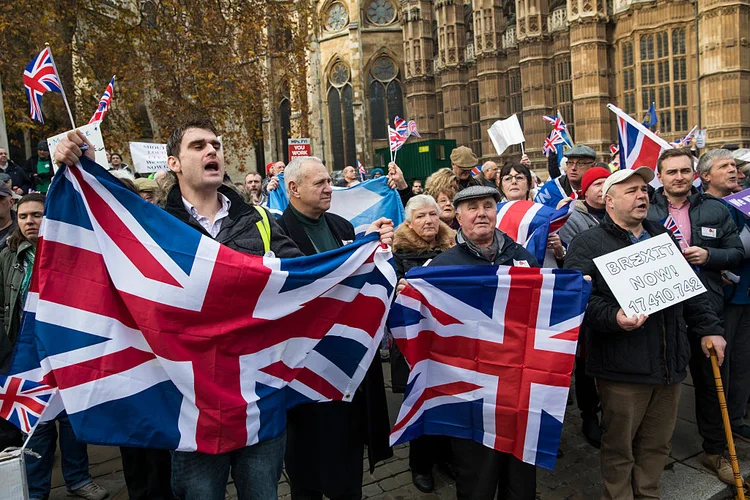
x: 264, y: 228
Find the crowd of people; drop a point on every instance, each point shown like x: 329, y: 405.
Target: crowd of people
x: 628, y: 370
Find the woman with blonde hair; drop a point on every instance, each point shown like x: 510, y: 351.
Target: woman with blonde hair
x: 442, y: 180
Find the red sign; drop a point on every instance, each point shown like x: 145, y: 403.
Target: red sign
x: 299, y: 147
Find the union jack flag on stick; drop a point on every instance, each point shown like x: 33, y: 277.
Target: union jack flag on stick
x: 491, y: 350
x: 39, y: 77
x: 158, y: 336
x: 104, y: 102
x: 22, y: 402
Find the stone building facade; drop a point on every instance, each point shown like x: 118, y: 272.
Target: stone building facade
x: 456, y: 66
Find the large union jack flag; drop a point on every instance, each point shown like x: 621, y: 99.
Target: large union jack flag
x: 530, y: 224
x: 158, y: 336
x: 39, y: 77
x: 491, y: 350
x: 639, y: 147
x: 22, y: 401
x: 103, y: 107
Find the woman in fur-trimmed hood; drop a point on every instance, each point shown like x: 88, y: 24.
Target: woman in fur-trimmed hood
x: 422, y: 236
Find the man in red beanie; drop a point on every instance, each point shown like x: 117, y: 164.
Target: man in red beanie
x: 588, y: 213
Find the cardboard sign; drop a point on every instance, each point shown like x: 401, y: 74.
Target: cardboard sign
x: 148, y: 157
x: 299, y: 147
x: 740, y: 201
x: 649, y: 276
x: 93, y: 133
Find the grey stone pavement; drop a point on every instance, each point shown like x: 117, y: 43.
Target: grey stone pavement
x: 576, y: 475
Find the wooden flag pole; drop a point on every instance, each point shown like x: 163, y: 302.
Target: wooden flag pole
x: 738, y: 481
x: 62, y: 90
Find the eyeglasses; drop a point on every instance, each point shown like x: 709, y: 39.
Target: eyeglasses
x: 580, y: 163
x: 510, y: 178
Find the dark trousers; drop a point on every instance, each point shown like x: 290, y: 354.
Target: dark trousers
x: 587, y: 396
x: 736, y: 368
x: 638, y: 422
x: 482, y: 473
x: 300, y: 493
x: 427, y: 451
x: 707, y: 411
x: 147, y: 473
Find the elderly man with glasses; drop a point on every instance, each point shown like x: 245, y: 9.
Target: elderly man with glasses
x: 580, y: 158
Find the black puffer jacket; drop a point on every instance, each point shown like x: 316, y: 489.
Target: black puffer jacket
x: 712, y: 228
x: 238, y: 231
x: 656, y: 353
x: 462, y: 255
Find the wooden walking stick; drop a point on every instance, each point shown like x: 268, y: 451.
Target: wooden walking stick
x: 738, y: 481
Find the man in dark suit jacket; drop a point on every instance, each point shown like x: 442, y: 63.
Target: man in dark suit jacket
x: 325, y: 441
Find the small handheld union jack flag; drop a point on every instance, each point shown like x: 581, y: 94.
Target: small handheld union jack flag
x: 412, y: 125
x: 671, y: 224
x: 401, y: 126
x: 39, y: 77
x: 22, y: 401
x: 362, y: 171
x: 104, y: 102
x: 551, y: 142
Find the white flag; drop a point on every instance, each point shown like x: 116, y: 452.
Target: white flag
x: 505, y: 133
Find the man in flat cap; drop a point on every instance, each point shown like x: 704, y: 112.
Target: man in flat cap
x: 463, y: 160
x: 579, y: 158
x: 481, y: 471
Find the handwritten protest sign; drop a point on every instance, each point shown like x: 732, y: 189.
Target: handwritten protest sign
x: 148, y: 157
x: 93, y: 133
x: 649, y: 276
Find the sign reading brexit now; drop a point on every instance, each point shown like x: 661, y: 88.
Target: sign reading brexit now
x: 649, y: 276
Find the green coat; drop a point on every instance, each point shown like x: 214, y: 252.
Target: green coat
x: 11, y: 277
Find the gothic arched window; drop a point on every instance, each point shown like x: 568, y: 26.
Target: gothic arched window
x: 341, y: 116
x: 386, y: 96
x: 336, y: 17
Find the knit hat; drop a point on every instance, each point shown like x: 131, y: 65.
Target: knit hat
x: 464, y: 158
x: 42, y: 146
x: 590, y: 176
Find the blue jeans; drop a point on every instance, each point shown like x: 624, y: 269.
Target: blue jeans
x: 255, y: 469
x: 74, y: 455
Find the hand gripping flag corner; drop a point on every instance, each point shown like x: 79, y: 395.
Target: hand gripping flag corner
x: 491, y: 351
x: 158, y: 336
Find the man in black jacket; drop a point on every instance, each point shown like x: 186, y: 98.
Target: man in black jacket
x: 325, y: 441
x: 710, y: 242
x: 481, y: 471
x: 197, y: 197
x: 638, y: 362
x: 18, y: 177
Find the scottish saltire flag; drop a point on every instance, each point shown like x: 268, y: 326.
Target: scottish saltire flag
x: 639, y: 147
x: 104, y: 102
x: 551, y: 193
x: 39, y: 77
x: 278, y: 199
x: 158, y: 336
x: 361, y: 204
x: 530, y: 223
x: 491, y: 350
x: 22, y: 401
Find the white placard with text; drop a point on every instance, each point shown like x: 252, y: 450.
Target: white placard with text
x: 148, y: 157
x: 93, y: 133
x: 649, y: 276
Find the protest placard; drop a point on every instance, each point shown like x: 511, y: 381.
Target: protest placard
x: 740, y: 201
x: 148, y: 156
x: 93, y: 133
x: 649, y: 276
